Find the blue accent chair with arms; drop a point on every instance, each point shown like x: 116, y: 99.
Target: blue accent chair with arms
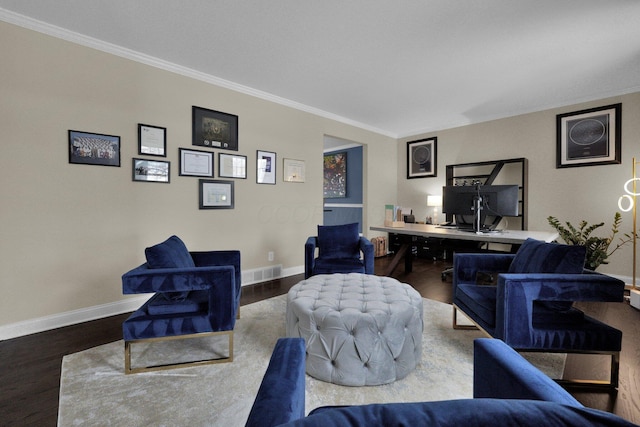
x: 531, y: 306
x: 341, y: 249
x: 196, y: 294
x: 507, y: 391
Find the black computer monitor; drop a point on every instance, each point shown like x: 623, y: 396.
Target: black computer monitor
x: 497, y: 201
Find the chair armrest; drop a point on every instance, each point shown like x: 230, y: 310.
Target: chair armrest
x: 309, y: 255
x: 366, y: 247
x: 466, y: 266
x: 219, y: 258
x: 499, y: 372
x: 280, y: 398
x: 147, y: 280
x: 517, y: 292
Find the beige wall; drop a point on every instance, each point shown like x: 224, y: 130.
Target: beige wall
x: 571, y: 194
x: 68, y: 232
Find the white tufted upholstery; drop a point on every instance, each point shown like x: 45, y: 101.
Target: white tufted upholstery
x: 359, y: 329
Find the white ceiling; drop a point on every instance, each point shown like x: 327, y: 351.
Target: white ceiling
x: 399, y: 67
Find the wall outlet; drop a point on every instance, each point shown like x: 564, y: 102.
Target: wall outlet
x: 270, y: 255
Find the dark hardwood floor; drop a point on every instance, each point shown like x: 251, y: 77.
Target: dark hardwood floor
x: 30, y: 369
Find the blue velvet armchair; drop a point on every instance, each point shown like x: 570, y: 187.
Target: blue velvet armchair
x: 341, y: 249
x: 196, y: 294
x: 531, y: 306
x: 507, y: 391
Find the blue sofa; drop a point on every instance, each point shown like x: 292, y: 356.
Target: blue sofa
x: 508, y: 391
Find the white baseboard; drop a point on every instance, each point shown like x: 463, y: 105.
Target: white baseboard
x: 59, y: 320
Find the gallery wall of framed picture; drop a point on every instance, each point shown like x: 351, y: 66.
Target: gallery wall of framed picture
x: 214, y: 134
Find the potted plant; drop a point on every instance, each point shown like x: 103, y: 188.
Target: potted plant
x: 597, y: 247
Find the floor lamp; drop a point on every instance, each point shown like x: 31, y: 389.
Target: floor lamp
x: 626, y: 203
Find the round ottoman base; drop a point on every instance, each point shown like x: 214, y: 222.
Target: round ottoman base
x: 359, y: 329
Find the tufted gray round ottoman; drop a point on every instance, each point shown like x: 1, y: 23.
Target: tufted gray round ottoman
x: 359, y: 329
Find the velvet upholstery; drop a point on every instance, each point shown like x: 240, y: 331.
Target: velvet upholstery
x: 210, y: 282
x: 280, y: 398
x: 512, y: 393
x: 517, y: 309
x: 340, y: 250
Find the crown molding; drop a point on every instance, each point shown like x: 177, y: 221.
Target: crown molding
x: 80, y: 39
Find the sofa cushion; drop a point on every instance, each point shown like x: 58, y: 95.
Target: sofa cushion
x: 535, y: 256
x: 338, y: 241
x: 172, y: 253
x: 481, y: 300
x: 193, y: 302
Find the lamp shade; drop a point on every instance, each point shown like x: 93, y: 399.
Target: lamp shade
x: 434, y: 200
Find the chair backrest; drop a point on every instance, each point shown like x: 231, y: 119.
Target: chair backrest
x: 338, y: 241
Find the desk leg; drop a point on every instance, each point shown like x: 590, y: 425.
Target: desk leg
x: 403, y: 251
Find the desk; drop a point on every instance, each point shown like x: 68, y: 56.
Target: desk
x: 510, y: 237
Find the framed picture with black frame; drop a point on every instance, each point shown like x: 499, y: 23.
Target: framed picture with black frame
x: 216, y: 194
x: 152, y: 140
x: 195, y: 163
x: 589, y: 137
x: 265, y: 167
x: 422, y: 158
x: 214, y: 129
x: 151, y: 170
x: 88, y: 148
x: 232, y: 166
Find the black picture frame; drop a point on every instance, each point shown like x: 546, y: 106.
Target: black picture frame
x: 145, y: 170
x: 152, y: 140
x: 195, y: 163
x: 216, y: 194
x: 422, y: 158
x: 214, y: 129
x: 335, y: 175
x: 232, y: 166
x: 265, y: 167
x: 87, y: 148
x: 589, y: 137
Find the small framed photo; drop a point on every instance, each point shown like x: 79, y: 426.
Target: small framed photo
x: 151, y: 170
x: 195, y: 163
x: 294, y: 170
x: 216, y: 194
x: 589, y: 137
x: 421, y: 158
x: 152, y: 140
x: 94, y: 149
x: 232, y: 166
x: 214, y: 129
x: 265, y: 167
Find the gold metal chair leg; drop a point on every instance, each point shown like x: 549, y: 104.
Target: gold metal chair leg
x: 610, y: 385
x: 455, y: 321
x: 128, y: 369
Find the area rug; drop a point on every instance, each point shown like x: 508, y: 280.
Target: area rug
x: 95, y: 391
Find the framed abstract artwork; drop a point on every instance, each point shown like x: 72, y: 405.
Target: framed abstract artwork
x: 335, y: 175
x: 422, y: 158
x: 589, y: 137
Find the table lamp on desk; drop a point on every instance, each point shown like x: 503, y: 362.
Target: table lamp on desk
x: 435, y: 202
